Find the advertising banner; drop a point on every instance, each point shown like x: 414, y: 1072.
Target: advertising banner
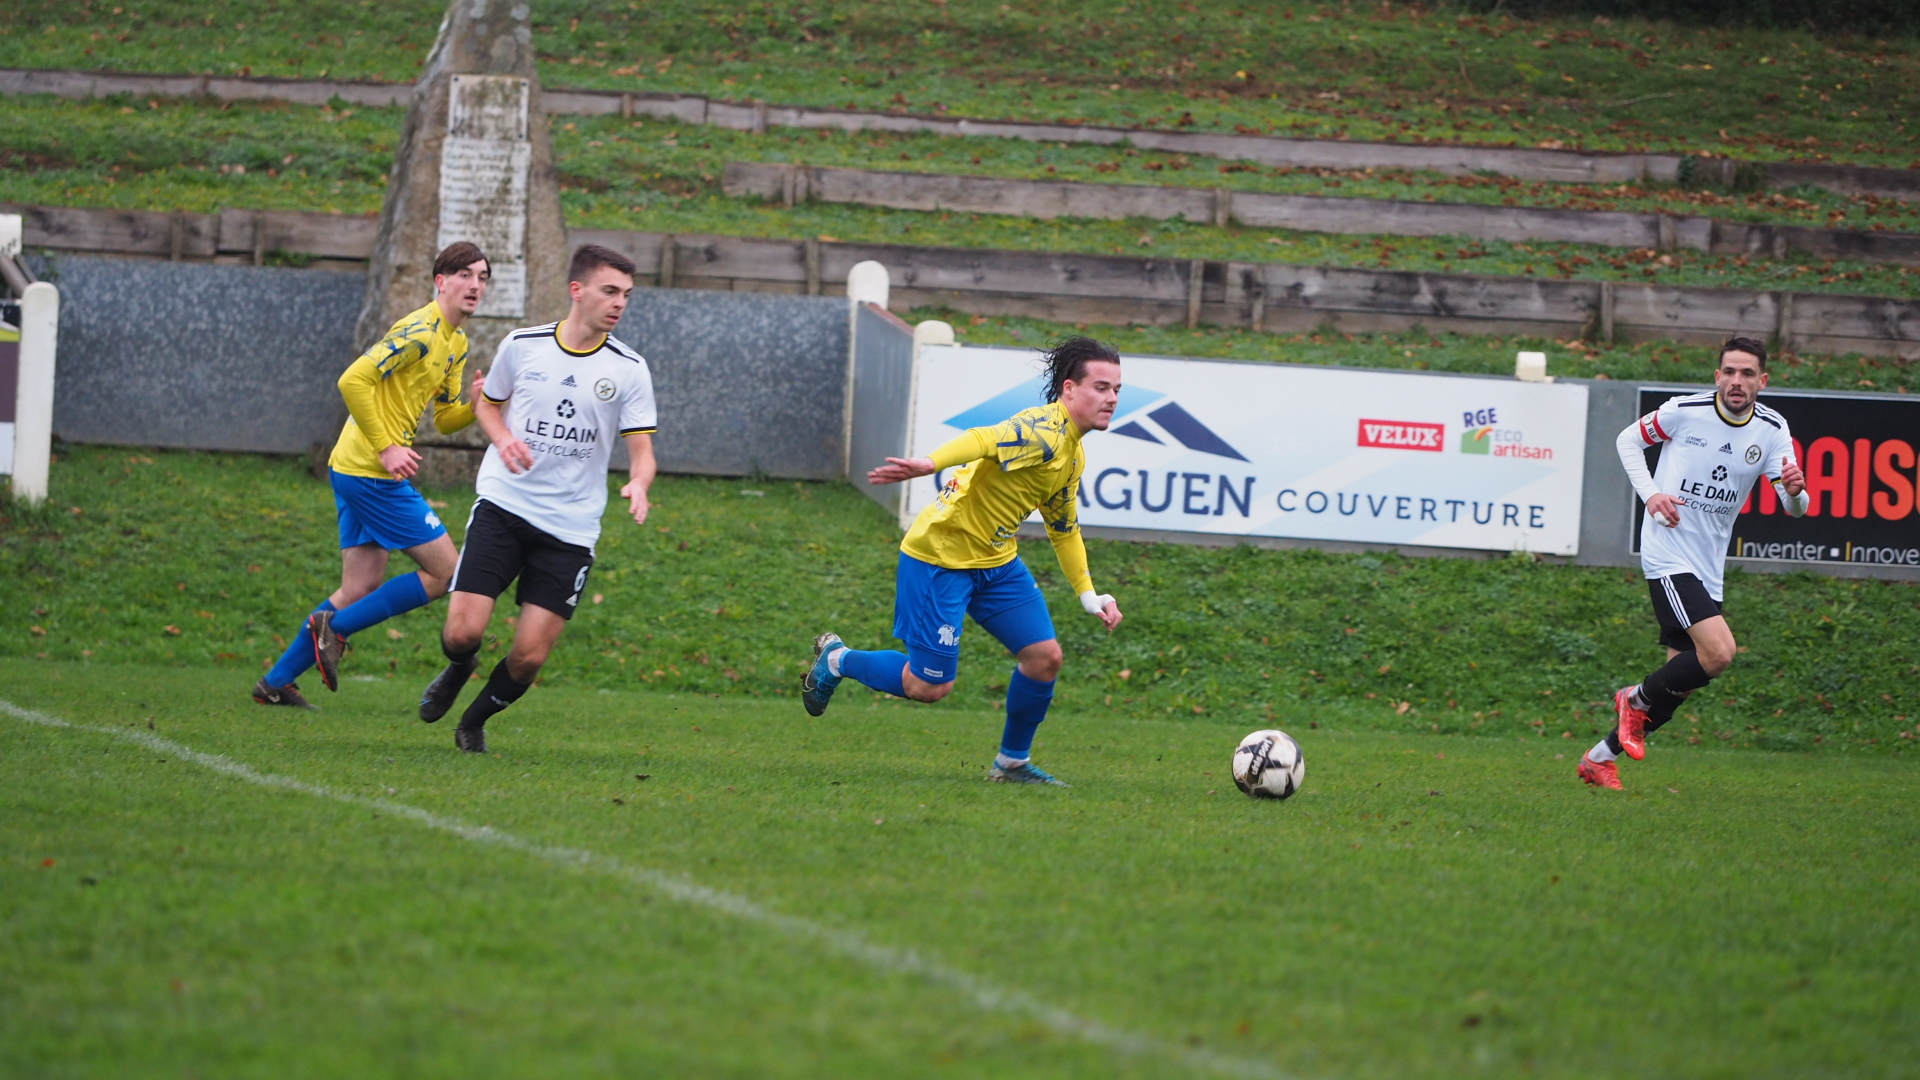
x: 1310, y: 453
x: 1859, y: 456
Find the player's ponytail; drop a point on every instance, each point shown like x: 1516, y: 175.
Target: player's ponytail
x: 1068, y: 359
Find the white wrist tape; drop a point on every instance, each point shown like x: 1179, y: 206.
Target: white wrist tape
x: 1094, y: 602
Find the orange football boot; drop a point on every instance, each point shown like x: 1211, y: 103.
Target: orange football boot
x: 1604, y: 774
x: 1633, y: 724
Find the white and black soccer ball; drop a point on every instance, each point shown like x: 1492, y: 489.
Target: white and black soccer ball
x: 1269, y: 765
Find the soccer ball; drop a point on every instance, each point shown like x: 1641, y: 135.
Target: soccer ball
x: 1269, y: 765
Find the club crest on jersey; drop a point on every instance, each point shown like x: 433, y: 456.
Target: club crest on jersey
x: 568, y: 381
x: 1753, y: 454
x: 603, y: 389
x: 565, y: 409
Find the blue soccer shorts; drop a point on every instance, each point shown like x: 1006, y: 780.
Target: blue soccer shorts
x: 389, y: 513
x: 930, y: 602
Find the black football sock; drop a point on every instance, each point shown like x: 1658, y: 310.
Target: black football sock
x: 501, y: 691
x: 465, y: 659
x: 1666, y: 688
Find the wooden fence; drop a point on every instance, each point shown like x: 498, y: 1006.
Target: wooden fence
x: 1309, y: 213
x: 1117, y: 289
x: 242, y: 235
x: 1524, y: 163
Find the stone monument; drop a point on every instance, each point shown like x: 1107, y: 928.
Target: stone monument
x: 475, y: 162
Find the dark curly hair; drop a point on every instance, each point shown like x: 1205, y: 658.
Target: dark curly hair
x: 1753, y: 346
x: 1068, y: 359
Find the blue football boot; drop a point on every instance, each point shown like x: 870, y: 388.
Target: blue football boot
x: 1024, y: 773
x: 818, y: 684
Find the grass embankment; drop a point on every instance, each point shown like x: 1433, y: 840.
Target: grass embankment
x: 1653, y: 361
x: 1426, y: 907
x: 723, y: 589
x: 1388, y: 71
x: 664, y: 177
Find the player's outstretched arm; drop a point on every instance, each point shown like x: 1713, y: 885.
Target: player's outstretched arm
x: 969, y: 446
x: 640, y: 475
x: 897, y: 470
x: 1632, y: 446
x: 514, y: 454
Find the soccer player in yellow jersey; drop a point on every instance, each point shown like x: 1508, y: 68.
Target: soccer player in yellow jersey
x: 960, y: 558
x: 421, y: 360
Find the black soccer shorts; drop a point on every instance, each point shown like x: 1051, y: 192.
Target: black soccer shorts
x: 502, y: 546
x: 1679, y: 602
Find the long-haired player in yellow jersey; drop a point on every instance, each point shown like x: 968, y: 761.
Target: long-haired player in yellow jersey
x: 421, y: 360
x: 960, y: 557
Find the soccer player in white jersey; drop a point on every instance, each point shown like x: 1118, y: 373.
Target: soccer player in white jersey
x: 1713, y: 447
x: 553, y: 399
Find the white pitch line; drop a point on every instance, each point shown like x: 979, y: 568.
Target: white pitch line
x: 850, y: 943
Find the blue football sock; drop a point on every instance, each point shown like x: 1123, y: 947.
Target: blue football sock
x: 299, y: 655
x: 878, y: 669
x: 1027, y: 701
x: 398, y: 596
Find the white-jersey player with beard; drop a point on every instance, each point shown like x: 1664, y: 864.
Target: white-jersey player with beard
x: 554, y: 401
x: 1713, y: 448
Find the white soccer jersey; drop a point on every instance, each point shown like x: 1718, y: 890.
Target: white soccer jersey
x: 1708, y: 463
x: 568, y: 408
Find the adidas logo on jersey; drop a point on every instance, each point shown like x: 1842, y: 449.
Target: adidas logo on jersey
x: 1727, y: 449
x: 568, y: 381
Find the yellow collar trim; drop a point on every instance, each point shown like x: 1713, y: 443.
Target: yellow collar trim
x: 1727, y: 418
x: 557, y: 340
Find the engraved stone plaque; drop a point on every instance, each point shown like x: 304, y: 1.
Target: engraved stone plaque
x: 484, y: 165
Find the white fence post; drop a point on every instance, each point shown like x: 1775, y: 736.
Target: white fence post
x: 867, y: 283
x: 930, y: 332
x: 33, y: 405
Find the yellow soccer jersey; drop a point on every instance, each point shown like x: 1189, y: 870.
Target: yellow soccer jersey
x: 1030, y: 461
x: 421, y: 360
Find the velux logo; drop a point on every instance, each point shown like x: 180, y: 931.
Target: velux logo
x: 1403, y: 435
x: 1143, y: 414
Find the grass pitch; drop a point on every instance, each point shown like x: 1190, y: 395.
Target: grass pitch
x: 1426, y: 907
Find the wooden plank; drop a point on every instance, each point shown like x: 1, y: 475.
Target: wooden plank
x: 1092, y: 309
x: 1040, y: 273
x: 313, y: 92
x: 1841, y: 346
x: 137, y: 232
x: 1868, y: 318
x: 1863, y: 245
x: 741, y: 257
x: 1395, y: 217
x: 1642, y: 312
x: 1565, y: 304
x: 338, y: 236
x: 1846, y: 179
x: 642, y: 247
x: 1308, y: 213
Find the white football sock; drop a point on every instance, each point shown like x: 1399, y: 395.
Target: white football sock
x: 833, y: 660
x: 1637, y: 697
x: 1602, y: 753
x: 1006, y: 762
